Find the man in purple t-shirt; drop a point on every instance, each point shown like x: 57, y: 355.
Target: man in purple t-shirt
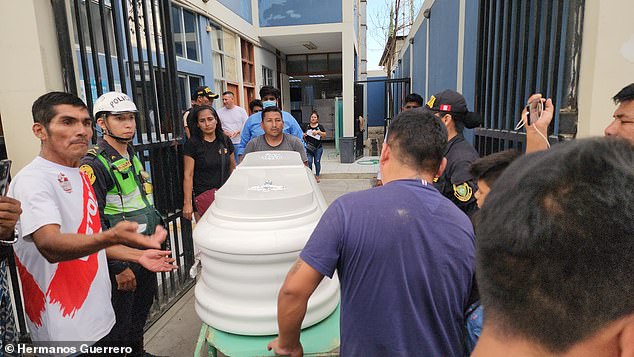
x: 403, y: 252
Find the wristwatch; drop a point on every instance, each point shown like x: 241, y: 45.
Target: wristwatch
x: 16, y: 235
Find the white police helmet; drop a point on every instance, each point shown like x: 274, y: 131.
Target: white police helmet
x: 114, y: 103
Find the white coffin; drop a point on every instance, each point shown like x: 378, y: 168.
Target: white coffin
x: 250, y: 237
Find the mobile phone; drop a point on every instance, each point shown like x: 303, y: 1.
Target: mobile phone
x: 534, y: 111
x: 5, y: 171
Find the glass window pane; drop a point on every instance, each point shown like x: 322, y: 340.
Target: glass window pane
x: 317, y: 63
x: 334, y: 62
x: 219, y: 70
x: 230, y: 44
x: 218, y: 40
x: 296, y: 64
x: 178, y: 33
x: 194, y: 82
x: 183, y: 100
x: 191, y: 35
x: 285, y: 13
x: 231, y: 73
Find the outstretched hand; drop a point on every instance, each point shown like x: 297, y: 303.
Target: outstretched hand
x: 157, y: 260
x: 125, y: 232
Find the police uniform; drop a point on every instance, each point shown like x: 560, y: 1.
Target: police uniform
x: 456, y: 183
x: 123, y: 192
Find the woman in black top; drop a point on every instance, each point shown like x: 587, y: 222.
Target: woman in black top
x: 208, y: 160
x: 313, y: 133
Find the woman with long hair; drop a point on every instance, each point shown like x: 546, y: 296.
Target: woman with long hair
x: 208, y: 160
x: 313, y: 134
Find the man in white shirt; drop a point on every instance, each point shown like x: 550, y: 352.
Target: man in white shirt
x: 232, y: 118
x: 61, y: 250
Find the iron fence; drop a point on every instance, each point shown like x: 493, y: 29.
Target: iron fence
x: 525, y: 47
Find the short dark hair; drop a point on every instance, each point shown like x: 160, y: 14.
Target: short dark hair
x: 255, y: 103
x: 555, y: 243
x: 43, y: 109
x: 315, y: 112
x: 413, y: 97
x: 192, y: 122
x: 420, y: 139
x: 490, y: 167
x: 271, y: 109
x: 227, y: 92
x: 624, y: 95
x: 268, y: 90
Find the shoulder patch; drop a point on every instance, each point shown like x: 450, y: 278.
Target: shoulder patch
x: 462, y: 192
x: 87, y: 169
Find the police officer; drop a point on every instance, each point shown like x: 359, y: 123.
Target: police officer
x: 456, y: 183
x: 123, y: 192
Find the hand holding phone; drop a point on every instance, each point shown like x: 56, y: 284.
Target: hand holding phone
x: 534, y: 111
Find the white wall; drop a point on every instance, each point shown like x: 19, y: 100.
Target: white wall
x: 607, y: 61
x: 29, y: 67
x: 264, y: 56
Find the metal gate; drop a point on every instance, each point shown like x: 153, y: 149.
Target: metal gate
x: 127, y: 46
x: 525, y: 47
x: 394, y: 92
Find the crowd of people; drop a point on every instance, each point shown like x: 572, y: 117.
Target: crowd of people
x: 452, y: 254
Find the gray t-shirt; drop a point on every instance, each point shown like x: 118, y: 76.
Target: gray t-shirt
x: 289, y: 143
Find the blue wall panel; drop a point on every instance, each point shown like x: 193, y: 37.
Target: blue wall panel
x: 405, y: 64
x: 241, y: 8
x: 376, y: 102
x: 204, y: 68
x: 304, y: 12
x: 443, y: 45
x: 420, y: 60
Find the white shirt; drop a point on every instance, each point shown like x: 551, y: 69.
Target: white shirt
x: 233, y: 120
x: 66, y: 301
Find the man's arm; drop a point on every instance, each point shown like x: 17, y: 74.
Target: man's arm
x: 151, y: 259
x: 300, y: 283
x: 56, y: 246
x: 245, y: 136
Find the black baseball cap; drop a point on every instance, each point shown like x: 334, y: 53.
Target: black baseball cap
x: 453, y: 102
x: 204, y: 91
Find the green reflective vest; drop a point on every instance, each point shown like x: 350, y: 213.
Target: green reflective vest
x: 130, y: 198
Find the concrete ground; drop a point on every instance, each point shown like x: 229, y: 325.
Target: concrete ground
x: 176, y: 333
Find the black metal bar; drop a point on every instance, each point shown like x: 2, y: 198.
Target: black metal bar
x: 152, y: 89
x: 15, y: 287
x: 84, y: 60
x: 162, y: 107
x: 132, y: 73
x: 106, y: 45
x: 141, y: 61
x: 118, y: 39
x: 65, y: 46
x: 94, y: 51
x: 170, y: 67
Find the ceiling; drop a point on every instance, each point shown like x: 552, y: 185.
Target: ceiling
x: 292, y: 44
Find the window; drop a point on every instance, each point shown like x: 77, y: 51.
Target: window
x: 268, y: 77
x: 187, y: 83
x: 319, y: 63
x: 185, y: 29
x: 99, y: 25
x: 248, y: 69
x: 224, y: 52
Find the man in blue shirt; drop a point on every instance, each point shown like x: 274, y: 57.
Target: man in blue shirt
x: 404, y: 253
x: 270, y: 97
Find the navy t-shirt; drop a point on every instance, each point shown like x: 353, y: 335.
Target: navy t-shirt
x: 405, y: 256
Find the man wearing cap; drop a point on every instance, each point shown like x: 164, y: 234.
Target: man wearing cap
x: 124, y: 193
x: 252, y: 128
x: 456, y: 182
x: 201, y: 96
